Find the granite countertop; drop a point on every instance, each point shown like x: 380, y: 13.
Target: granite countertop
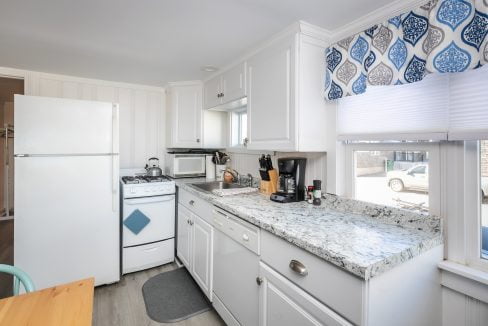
x: 361, y: 238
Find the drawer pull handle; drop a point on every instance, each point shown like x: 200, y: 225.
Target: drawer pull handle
x: 192, y: 202
x: 298, y: 267
x: 218, y: 222
x: 245, y: 237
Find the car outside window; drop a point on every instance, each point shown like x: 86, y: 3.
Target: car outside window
x: 392, y: 178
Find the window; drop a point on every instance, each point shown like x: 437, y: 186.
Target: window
x: 239, y: 128
x: 395, y: 174
x: 392, y: 180
x: 483, y: 159
x: 475, y: 205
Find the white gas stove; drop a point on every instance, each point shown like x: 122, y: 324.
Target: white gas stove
x: 147, y: 221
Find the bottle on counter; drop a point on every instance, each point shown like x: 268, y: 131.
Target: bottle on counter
x: 310, y: 194
x: 317, y: 192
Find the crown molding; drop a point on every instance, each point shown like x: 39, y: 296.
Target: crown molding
x: 375, y: 17
x: 185, y: 83
x: 297, y: 27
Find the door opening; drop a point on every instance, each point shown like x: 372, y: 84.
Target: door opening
x: 8, y: 88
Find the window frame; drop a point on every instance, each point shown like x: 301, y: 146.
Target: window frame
x: 472, y: 205
x: 240, y: 144
x: 434, y: 166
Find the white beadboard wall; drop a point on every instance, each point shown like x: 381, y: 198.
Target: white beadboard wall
x: 462, y: 310
x: 316, y: 167
x: 142, y: 109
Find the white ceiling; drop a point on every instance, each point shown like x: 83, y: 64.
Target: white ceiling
x: 152, y: 41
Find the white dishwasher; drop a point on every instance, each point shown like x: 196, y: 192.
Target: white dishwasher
x: 236, y: 268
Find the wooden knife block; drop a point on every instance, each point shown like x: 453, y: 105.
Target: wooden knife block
x: 271, y: 186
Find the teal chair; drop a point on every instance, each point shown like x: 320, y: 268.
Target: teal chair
x: 19, y: 277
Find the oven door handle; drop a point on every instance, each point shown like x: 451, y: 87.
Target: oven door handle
x: 149, y: 200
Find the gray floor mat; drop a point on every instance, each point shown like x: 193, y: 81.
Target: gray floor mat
x: 173, y: 296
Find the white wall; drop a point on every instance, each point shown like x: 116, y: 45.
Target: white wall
x: 316, y: 164
x: 142, y: 109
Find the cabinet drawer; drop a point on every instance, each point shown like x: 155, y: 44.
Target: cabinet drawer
x: 196, y: 205
x: 147, y: 256
x: 239, y: 230
x: 338, y: 289
x: 283, y: 303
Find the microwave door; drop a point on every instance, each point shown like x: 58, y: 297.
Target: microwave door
x: 188, y: 165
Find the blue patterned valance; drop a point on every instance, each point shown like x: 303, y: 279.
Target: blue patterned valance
x: 441, y: 36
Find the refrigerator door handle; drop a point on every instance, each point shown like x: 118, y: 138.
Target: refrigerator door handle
x: 115, y: 150
x: 115, y: 128
x: 115, y: 183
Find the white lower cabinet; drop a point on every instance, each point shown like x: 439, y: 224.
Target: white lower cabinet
x: 282, y: 303
x: 195, y: 247
x: 202, y: 245
x: 184, y: 236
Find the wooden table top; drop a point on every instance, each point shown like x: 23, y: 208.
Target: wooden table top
x: 64, y: 305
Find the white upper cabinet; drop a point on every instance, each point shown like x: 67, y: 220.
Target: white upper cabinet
x: 226, y: 87
x: 184, y: 120
x: 271, y: 97
x: 212, y: 90
x: 285, y: 78
x: 234, y: 83
x: 188, y: 125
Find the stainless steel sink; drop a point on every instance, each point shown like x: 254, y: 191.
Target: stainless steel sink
x: 209, y: 186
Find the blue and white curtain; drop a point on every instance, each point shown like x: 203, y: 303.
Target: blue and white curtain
x: 441, y: 36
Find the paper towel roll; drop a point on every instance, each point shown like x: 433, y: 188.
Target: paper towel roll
x: 209, y: 167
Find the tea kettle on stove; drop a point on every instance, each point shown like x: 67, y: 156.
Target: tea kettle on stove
x: 152, y: 168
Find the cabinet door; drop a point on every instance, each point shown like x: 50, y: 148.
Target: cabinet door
x: 211, y: 91
x: 183, y: 246
x: 282, y: 303
x: 271, y: 97
x: 186, y: 116
x: 234, y: 83
x: 202, y: 244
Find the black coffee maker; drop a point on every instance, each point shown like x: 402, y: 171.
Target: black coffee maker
x: 291, y: 182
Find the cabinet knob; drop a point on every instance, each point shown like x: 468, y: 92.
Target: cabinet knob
x: 298, y: 267
x: 245, y: 237
x: 191, y: 223
x: 198, y: 140
x: 191, y: 202
x: 259, y: 280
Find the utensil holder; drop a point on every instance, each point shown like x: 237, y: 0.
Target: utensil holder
x: 271, y: 186
x: 219, y: 171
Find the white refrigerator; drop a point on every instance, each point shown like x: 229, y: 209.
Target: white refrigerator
x: 67, y: 224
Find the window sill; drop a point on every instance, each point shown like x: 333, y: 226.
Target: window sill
x: 465, y: 279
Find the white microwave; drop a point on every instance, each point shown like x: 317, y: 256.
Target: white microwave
x: 184, y: 165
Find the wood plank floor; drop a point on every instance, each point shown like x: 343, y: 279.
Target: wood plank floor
x: 122, y: 304
x: 6, y: 255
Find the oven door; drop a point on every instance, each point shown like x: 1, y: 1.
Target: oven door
x: 189, y: 165
x: 160, y: 222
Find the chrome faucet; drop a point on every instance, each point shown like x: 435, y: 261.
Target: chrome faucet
x: 250, y: 178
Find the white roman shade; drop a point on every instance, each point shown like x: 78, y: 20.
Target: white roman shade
x: 468, y: 109
x: 440, y: 107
